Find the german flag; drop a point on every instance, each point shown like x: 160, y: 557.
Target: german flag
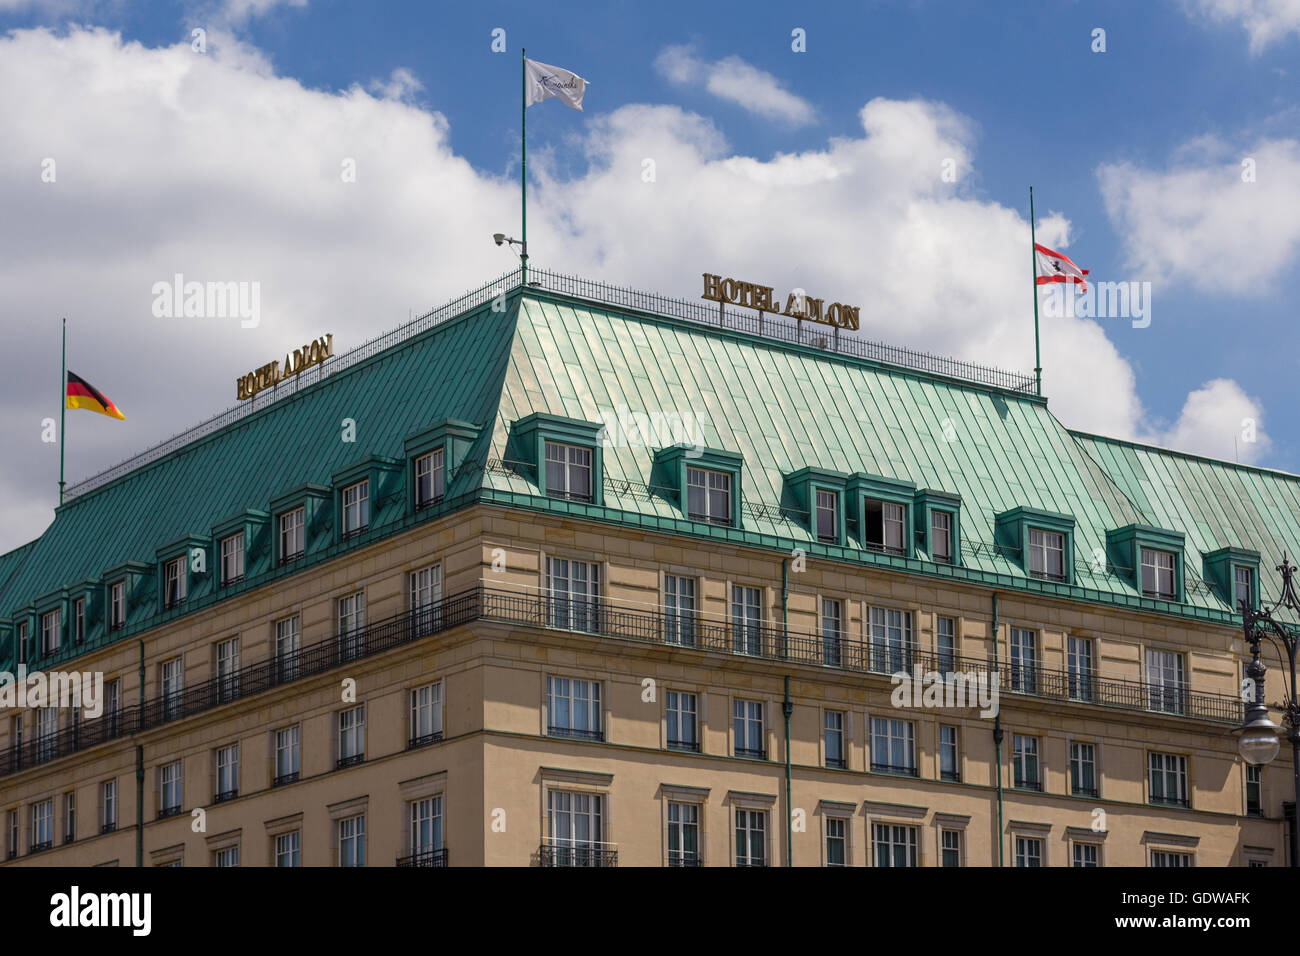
x: 81, y: 394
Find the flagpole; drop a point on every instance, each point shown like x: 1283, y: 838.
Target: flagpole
x: 1033, y: 258
x: 523, y: 165
x: 63, y: 405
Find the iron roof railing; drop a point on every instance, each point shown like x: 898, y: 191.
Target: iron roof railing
x: 763, y: 326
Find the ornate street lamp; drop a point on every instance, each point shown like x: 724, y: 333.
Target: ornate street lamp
x: 1258, y: 740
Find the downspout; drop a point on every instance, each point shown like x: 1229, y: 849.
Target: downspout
x: 139, y: 778
x: 787, y: 708
x: 997, y: 732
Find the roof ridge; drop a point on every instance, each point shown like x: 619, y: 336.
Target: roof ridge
x: 1079, y: 433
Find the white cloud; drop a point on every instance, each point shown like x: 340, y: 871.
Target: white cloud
x: 1266, y: 21
x: 1198, y: 222
x: 1218, y: 420
x: 214, y: 167
x: 736, y: 81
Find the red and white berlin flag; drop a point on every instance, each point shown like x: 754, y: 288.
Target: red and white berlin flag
x: 1054, y: 267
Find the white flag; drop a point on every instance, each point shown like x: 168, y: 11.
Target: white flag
x: 542, y: 81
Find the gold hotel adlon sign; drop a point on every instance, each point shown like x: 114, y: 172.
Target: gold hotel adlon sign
x: 313, y: 353
x: 798, y: 305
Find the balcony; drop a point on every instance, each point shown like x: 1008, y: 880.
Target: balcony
x: 169, y: 812
x: 351, y: 760
x: 574, y: 733
x: 578, y: 854
x: 108, y: 828
x: 897, y: 770
x: 1167, y: 801
x: 285, y: 778
x: 751, y: 753
x: 1028, y: 783
x: 41, y: 847
x: 424, y: 740
x: 683, y: 858
x: 686, y: 746
x: 424, y: 858
x: 225, y: 795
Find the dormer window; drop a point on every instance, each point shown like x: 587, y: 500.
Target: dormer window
x: 356, y: 508
x: 1046, y: 554
x: 232, y: 559
x: 884, y: 526
x: 291, y: 535
x: 1158, y: 579
x: 22, y: 642
x: 1243, y: 587
x: 828, y: 518
x: 568, y: 471
x: 708, y: 495
x: 430, y: 478
x: 941, y: 536
x: 174, y: 582
x: 51, y: 631
x: 117, y: 605
x: 79, y: 620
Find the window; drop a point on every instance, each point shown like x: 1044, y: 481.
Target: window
x: 1243, y: 589
x: 683, y: 721
x: 113, y: 703
x: 568, y: 472
x: 69, y: 816
x: 941, y: 536
x: 232, y: 560
x: 833, y: 735
x: 1158, y: 574
x: 426, y: 714
x: 47, y: 730
x: 174, y: 582
x: 1024, y: 757
x: 1254, y: 791
x: 1166, y: 688
x: 426, y: 598
x: 950, y: 848
x: 708, y: 496
x: 228, y: 669
x: 171, y: 682
x: 288, y: 636
x: 117, y: 604
x: 1168, y: 779
x: 430, y: 479
x: 683, y: 834
x: 171, y: 795
x: 945, y: 643
x: 425, y: 820
x: 574, y: 829
x: 226, y: 856
x: 51, y: 631
x: 679, y: 610
x: 891, y: 640
x: 356, y: 508
x: 893, y: 746
x: 1046, y: 554
x: 573, y: 589
x: 16, y: 734
x: 832, y: 632
x: 747, y: 728
x: 292, y: 542
x: 751, y: 837
x: 42, y: 825
x: 79, y: 620
x: 352, y: 623
x: 1083, y: 769
x: 227, y: 773
x: 288, y: 850
x: 884, y: 526
x: 22, y: 642
x: 1167, y: 858
x: 1024, y: 660
x: 1079, y: 664
x: 1029, y: 851
x: 286, y: 755
x: 837, y: 841
x: 108, y: 798
x: 573, y: 708
x: 1086, y: 854
x: 828, y: 517
x: 11, y: 850
x: 352, y: 841
x: 895, y: 845
x: 352, y: 736
x: 948, y: 768
x: 746, y: 620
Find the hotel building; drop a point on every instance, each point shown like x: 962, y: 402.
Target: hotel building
x: 563, y: 574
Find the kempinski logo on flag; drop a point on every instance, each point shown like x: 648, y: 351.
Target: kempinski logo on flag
x: 1054, y: 267
x: 544, y: 82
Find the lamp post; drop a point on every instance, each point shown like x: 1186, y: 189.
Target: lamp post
x: 1258, y: 741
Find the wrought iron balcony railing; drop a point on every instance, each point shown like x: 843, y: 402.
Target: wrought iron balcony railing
x: 578, y: 853
x: 424, y: 858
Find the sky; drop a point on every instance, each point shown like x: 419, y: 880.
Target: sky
x: 352, y: 160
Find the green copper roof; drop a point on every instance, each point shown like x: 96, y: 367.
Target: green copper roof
x: 782, y: 407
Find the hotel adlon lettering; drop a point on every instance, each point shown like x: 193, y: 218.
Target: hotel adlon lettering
x: 751, y: 295
x: 313, y: 353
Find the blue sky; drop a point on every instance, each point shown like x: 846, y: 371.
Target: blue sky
x: 1183, y: 92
